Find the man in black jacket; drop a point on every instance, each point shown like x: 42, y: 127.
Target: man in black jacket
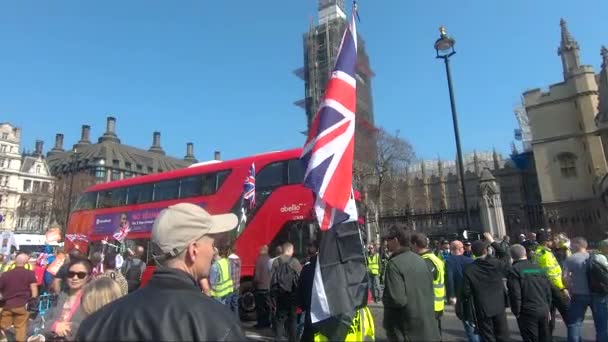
x: 530, y: 296
x: 171, y: 306
x: 483, y: 283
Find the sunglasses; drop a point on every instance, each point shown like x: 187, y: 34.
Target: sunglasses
x: 80, y: 275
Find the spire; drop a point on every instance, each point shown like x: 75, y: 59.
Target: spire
x: 476, y: 163
x: 440, y: 168
x: 496, y: 160
x: 569, y: 51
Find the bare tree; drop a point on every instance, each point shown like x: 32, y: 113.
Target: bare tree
x: 380, y: 178
x: 35, y: 210
x: 64, y: 198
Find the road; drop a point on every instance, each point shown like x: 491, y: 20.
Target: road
x: 452, y: 328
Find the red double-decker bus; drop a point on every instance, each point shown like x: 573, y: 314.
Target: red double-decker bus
x: 283, y: 210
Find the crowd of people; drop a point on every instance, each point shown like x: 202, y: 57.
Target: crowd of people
x: 194, y: 292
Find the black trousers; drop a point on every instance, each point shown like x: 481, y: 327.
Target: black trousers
x: 534, y: 328
x: 494, y: 328
x: 559, y: 303
x: 262, y: 305
x: 284, y: 323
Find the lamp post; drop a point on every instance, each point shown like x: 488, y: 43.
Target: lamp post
x: 444, y: 46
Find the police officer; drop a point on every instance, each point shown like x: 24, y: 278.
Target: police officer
x: 420, y: 245
x: 545, y: 259
x: 373, y: 271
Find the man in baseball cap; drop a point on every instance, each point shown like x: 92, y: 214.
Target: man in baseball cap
x: 182, y: 243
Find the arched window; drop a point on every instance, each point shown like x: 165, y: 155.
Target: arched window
x: 567, y: 164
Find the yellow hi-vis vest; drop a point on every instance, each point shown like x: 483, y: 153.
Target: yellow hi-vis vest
x: 11, y: 266
x: 373, y: 266
x: 223, y: 286
x: 439, y: 282
x: 546, y: 260
x: 362, y: 328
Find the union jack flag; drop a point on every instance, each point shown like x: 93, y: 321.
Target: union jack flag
x: 122, y: 233
x: 328, y: 152
x: 249, y: 187
x: 77, y: 237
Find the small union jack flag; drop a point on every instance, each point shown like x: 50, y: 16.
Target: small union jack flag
x: 249, y: 187
x: 328, y: 152
x: 77, y: 237
x: 122, y: 233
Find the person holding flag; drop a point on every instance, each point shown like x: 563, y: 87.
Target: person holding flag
x: 328, y: 160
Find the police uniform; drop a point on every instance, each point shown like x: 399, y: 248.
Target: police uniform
x: 545, y: 259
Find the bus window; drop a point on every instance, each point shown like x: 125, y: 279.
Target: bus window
x: 139, y: 194
x: 191, y: 187
x: 166, y: 190
x: 213, y: 181
x: 271, y: 176
x: 295, y: 171
x: 87, y: 201
x: 298, y: 233
x: 112, y: 198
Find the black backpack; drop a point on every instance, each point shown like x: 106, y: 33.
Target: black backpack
x: 597, y: 275
x: 284, y: 278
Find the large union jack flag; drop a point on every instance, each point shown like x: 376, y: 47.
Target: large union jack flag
x: 249, y: 187
x: 122, y: 233
x: 328, y: 152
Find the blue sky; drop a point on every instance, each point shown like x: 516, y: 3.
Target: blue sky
x: 219, y: 73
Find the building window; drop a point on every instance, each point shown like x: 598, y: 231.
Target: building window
x: 150, y: 170
x: 140, y: 168
x: 2, y: 148
x: 128, y: 166
x: 27, y: 185
x: 115, y: 174
x: 567, y: 164
x: 2, y: 162
x: 128, y: 174
x: 36, y: 187
x: 45, y: 187
x: 38, y: 169
x: 100, y: 173
x: 4, y: 136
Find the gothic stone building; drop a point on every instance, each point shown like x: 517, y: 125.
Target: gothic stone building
x: 569, y: 153
x: 433, y: 197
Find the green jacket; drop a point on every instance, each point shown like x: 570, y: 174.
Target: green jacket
x: 408, y: 299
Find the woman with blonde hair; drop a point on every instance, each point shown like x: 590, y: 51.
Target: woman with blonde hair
x: 99, y: 292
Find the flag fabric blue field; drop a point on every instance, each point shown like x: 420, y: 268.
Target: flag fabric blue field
x: 249, y: 187
x: 340, y: 279
x: 329, y: 149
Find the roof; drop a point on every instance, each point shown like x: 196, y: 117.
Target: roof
x: 195, y: 170
x: 112, y: 153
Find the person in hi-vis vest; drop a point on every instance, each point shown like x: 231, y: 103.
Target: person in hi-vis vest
x: 373, y: 272
x: 437, y: 268
x: 221, y: 286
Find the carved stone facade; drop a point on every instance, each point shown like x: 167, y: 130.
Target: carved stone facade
x: 431, y: 196
x: 490, y: 205
x: 568, y: 149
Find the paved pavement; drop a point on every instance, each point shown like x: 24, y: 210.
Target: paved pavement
x: 452, y: 328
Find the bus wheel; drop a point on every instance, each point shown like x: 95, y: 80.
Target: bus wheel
x: 247, y: 301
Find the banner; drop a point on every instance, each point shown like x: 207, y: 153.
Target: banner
x: 138, y: 221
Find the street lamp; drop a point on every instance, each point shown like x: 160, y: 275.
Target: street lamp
x: 444, y: 46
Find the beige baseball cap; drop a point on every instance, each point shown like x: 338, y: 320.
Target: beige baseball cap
x: 183, y: 223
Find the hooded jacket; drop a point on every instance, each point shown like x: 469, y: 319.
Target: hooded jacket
x: 170, y: 307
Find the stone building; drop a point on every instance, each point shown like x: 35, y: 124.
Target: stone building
x: 430, y: 197
x: 87, y: 162
x: 25, y: 185
x: 568, y: 151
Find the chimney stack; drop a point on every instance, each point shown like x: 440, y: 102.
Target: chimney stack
x: 38, y: 149
x: 85, y: 135
x: 190, y: 153
x: 156, y: 148
x: 58, y: 148
x: 110, y: 134
x: 217, y: 155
